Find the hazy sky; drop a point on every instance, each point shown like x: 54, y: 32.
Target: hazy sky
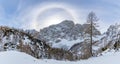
x: 36, y: 14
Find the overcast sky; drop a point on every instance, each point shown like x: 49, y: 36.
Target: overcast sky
x: 37, y: 14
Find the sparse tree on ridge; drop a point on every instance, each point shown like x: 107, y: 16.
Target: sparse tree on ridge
x: 92, y: 21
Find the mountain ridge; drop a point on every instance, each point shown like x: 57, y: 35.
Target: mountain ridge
x: 65, y: 40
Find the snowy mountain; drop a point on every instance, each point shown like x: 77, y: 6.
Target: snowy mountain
x: 111, y: 38
x: 65, y: 34
x: 14, y: 39
x: 75, y: 38
x: 19, y: 40
x: 63, y: 41
x: 108, y: 40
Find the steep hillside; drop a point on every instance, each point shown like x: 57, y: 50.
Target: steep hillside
x: 14, y: 39
x: 19, y: 40
x: 108, y: 40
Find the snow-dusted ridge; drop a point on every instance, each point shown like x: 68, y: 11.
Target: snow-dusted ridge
x: 64, y: 41
x: 65, y: 34
x: 15, y: 39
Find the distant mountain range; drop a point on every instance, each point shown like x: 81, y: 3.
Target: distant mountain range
x: 65, y: 40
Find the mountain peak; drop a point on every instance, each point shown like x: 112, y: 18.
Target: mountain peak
x: 65, y: 31
x: 67, y: 22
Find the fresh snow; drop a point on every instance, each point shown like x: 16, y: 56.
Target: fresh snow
x: 14, y: 57
x: 111, y: 57
x: 66, y: 43
x: 96, y: 38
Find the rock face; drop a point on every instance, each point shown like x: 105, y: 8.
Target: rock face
x: 66, y: 31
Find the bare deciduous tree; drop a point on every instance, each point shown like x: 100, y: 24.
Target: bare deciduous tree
x: 92, y: 21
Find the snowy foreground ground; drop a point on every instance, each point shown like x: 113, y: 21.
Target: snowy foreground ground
x: 13, y: 57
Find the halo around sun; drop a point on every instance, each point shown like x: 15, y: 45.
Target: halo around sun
x: 50, y: 13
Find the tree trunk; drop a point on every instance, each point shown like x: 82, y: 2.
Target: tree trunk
x: 91, y: 38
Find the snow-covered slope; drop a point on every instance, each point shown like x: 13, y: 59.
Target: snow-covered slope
x: 110, y: 38
x: 65, y: 34
x: 107, y: 58
x: 72, y: 38
x: 13, y: 57
x: 19, y: 40
x: 16, y: 39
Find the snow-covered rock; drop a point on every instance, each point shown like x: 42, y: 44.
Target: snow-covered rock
x: 19, y: 40
x: 63, y: 41
x: 65, y: 34
x: 14, y: 39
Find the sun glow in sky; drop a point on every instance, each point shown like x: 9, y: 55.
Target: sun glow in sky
x: 37, y: 14
x: 45, y: 15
